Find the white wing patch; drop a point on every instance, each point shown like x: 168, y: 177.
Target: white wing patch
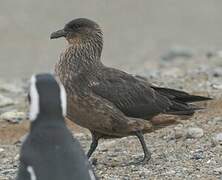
x: 63, y: 99
x: 34, y: 102
x: 31, y: 172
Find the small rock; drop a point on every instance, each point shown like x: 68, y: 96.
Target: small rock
x: 216, y: 72
x: 5, y: 101
x: 211, y: 54
x: 198, y: 154
x: 218, y: 170
x: 16, y: 158
x: 79, y: 135
x: 103, y: 149
x: 1, y: 150
x: 126, y: 178
x: 217, y: 139
x: 194, y: 132
x: 178, y: 52
x: 179, y: 132
x: 215, y: 120
x: 217, y: 86
x: 13, y: 116
x: 218, y: 119
x: 170, y: 172
x: 112, y: 155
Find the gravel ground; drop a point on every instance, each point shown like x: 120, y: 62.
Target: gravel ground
x: 189, y: 150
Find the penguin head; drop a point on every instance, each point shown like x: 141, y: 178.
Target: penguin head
x: 47, y: 97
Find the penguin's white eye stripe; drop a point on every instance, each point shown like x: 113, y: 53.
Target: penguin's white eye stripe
x: 34, y: 97
x: 63, y: 99
x: 31, y: 172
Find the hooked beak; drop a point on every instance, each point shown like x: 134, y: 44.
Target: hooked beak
x: 58, y: 34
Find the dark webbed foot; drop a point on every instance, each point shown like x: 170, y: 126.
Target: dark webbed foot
x: 94, y: 144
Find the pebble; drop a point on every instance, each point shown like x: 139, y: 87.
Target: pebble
x: 179, y: 132
x: 215, y: 120
x: 194, y: 132
x: 177, y: 52
x: 217, y: 139
x: 13, y: 116
x: 218, y: 170
x: 1, y: 150
x: 211, y: 54
x: 197, y: 155
x: 16, y: 158
x: 5, y: 101
x: 170, y: 172
x: 217, y: 86
x: 216, y: 72
x: 80, y: 135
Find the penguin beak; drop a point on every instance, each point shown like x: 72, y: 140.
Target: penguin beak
x: 58, y: 34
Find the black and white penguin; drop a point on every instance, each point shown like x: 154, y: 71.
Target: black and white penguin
x: 50, y: 152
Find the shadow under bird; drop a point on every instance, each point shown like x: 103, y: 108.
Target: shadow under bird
x: 50, y: 152
x: 107, y: 101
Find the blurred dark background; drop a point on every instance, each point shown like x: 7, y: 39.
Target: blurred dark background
x: 134, y: 31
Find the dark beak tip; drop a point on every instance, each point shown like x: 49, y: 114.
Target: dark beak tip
x: 58, y: 34
x: 52, y: 37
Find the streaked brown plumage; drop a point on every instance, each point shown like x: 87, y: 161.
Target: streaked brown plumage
x: 109, y: 102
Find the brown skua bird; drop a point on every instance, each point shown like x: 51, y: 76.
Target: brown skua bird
x: 107, y: 101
